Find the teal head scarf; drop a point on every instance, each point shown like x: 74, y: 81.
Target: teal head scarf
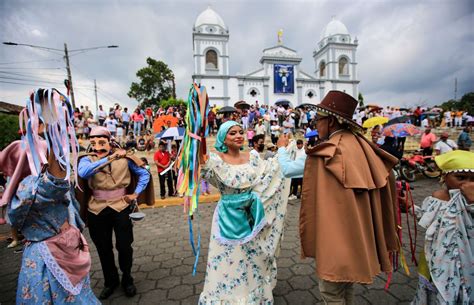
x: 222, y: 133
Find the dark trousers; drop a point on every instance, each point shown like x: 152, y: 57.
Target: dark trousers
x: 169, y: 181
x: 274, y: 139
x: 295, y: 183
x: 428, y: 151
x: 125, y: 127
x: 100, y: 230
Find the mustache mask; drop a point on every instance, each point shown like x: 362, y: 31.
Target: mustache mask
x: 100, y: 151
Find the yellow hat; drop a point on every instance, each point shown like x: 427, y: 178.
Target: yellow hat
x: 456, y: 161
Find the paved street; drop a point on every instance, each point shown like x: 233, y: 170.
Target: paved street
x: 163, y: 263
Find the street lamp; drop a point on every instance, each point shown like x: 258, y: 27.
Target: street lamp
x: 66, y: 57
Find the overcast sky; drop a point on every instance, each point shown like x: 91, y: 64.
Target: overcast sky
x: 409, y: 53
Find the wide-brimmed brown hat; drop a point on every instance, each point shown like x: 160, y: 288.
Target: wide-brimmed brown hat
x: 341, y: 105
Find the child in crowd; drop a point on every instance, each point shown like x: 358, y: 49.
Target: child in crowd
x: 275, y: 132
x: 446, y: 264
x: 174, y: 170
x: 141, y: 143
x: 149, y: 141
x: 131, y: 142
x: 250, y: 135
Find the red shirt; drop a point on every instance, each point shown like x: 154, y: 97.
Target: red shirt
x: 163, y: 158
x: 149, y: 112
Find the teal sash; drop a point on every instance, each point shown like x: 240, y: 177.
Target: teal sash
x: 240, y: 218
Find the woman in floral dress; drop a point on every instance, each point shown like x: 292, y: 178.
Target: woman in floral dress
x: 446, y: 268
x: 248, y: 221
x: 56, y: 259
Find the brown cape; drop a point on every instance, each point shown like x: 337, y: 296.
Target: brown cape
x: 348, y: 204
x: 147, y: 196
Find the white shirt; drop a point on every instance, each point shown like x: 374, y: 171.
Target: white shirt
x: 445, y: 147
x: 447, y: 116
x: 102, y: 114
x: 300, y: 153
x: 425, y: 123
x: 275, y: 130
x: 260, y: 129
x: 111, y: 124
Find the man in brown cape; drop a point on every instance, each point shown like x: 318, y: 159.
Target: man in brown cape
x: 348, y: 202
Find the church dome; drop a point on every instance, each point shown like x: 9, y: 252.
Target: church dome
x: 209, y: 16
x: 334, y: 27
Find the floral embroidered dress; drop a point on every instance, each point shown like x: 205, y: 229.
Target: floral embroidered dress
x: 56, y: 261
x: 247, y: 229
x: 446, y: 270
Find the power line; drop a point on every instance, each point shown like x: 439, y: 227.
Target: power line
x: 110, y: 94
x: 30, y: 74
x: 22, y: 68
x: 27, y: 61
x: 107, y: 98
x: 26, y: 84
x: 101, y: 91
x: 30, y: 80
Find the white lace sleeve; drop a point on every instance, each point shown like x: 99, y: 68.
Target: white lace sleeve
x: 208, y: 169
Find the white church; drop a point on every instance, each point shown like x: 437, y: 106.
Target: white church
x: 279, y: 77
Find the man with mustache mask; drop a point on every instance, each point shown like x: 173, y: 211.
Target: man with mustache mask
x: 111, y: 180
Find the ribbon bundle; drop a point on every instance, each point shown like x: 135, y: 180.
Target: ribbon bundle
x: 193, y: 153
x: 193, y: 148
x: 54, y: 110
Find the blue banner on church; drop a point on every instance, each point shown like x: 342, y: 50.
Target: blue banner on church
x: 283, y: 79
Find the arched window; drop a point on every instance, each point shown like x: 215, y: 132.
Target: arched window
x: 211, y: 59
x: 343, y: 66
x: 322, y: 69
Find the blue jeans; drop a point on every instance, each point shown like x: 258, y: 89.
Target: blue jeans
x: 137, y: 128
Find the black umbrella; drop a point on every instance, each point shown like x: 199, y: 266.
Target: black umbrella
x: 283, y: 103
x: 241, y: 105
x: 306, y: 105
x: 227, y: 109
x: 401, y: 119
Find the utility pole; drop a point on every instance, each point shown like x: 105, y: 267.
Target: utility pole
x: 96, y: 101
x: 69, y: 77
x: 174, y: 86
x: 455, y: 88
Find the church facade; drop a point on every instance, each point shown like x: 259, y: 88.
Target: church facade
x: 279, y: 77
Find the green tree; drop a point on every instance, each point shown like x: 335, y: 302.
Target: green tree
x: 156, y: 83
x: 172, y: 102
x: 361, y: 100
x: 9, y: 127
x: 466, y: 103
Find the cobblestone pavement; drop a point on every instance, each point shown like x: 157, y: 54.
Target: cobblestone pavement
x: 163, y: 263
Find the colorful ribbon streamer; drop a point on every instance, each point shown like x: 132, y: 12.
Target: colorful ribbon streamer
x: 193, y: 148
x: 193, y: 152
x: 53, y: 109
